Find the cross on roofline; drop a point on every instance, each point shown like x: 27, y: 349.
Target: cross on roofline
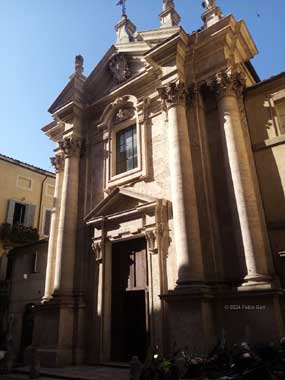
x: 122, y: 3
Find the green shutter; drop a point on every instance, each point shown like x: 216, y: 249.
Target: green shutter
x: 30, y: 215
x: 10, y: 211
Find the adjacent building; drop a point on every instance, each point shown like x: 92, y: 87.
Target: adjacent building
x: 26, y: 201
x: 168, y: 225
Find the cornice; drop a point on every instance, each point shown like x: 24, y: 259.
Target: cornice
x: 227, y: 42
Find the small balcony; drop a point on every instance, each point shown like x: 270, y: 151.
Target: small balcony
x: 17, y: 234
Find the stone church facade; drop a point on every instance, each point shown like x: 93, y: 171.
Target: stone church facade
x: 160, y: 231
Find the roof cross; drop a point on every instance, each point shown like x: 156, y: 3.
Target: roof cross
x: 122, y: 3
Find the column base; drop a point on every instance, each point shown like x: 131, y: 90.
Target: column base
x: 259, y: 281
x: 53, y: 333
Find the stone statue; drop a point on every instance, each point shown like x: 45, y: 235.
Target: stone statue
x: 208, y: 4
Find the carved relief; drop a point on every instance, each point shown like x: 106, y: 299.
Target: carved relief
x: 124, y: 114
x: 172, y: 94
x: 57, y: 162
x: 71, y: 146
x: 151, y: 237
x: 119, y: 67
x: 97, y: 249
x: 228, y: 83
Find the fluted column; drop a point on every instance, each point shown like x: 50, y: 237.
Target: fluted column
x: 185, y: 213
x: 58, y: 163
x: 229, y: 87
x: 67, y: 226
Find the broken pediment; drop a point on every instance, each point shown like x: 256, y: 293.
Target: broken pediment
x: 120, y: 201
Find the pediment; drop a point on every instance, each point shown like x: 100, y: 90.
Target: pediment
x: 119, y: 201
x: 65, y: 97
x: 116, y: 68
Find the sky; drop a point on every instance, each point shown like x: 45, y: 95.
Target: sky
x: 40, y: 38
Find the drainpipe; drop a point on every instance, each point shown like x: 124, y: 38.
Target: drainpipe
x: 41, y: 201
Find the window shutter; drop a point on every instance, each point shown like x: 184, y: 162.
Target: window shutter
x: 30, y: 215
x: 10, y: 211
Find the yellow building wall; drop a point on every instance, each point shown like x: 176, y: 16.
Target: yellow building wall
x: 10, y: 188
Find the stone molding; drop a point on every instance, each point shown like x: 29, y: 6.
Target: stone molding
x: 172, y: 94
x: 228, y: 83
x: 70, y: 146
x: 143, y: 110
x: 57, y: 162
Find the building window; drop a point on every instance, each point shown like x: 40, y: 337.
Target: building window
x: 24, y: 182
x: 47, y: 220
x: 20, y: 213
x: 280, y: 109
x: 126, y: 150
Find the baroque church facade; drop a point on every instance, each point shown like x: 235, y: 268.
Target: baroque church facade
x: 160, y: 233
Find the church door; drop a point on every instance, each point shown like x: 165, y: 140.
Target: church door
x: 129, y: 324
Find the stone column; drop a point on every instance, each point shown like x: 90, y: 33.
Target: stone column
x: 67, y: 225
x: 229, y: 87
x: 58, y: 163
x: 184, y: 203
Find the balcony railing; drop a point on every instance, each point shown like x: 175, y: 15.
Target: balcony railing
x: 17, y: 234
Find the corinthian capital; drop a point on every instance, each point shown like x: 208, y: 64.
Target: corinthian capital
x: 228, y: 83
x: 172, y: 94
x: 71, y: 146
x: 57, y: 162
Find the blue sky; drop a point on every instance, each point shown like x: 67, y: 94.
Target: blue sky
x: 39, y: 39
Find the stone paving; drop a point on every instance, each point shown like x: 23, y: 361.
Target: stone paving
x: 75, y: 373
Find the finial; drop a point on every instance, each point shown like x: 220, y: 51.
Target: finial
x: 208, y: 4
x: 167, y: 4
x: 79, y: 60
x: 212, y: 13
x: 122, y: 3
x: 169, y: 17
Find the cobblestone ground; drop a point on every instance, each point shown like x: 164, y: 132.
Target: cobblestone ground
x: 76, y: 373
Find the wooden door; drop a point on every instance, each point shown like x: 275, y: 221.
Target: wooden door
x: 129, y: 324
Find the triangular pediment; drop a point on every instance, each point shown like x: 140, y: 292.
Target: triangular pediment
x: 65, y: 97
x: 118, y: 201
x: 116, y: 68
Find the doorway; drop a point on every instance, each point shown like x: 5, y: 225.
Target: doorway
x: 27, y: 329
x: 129, y: 307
